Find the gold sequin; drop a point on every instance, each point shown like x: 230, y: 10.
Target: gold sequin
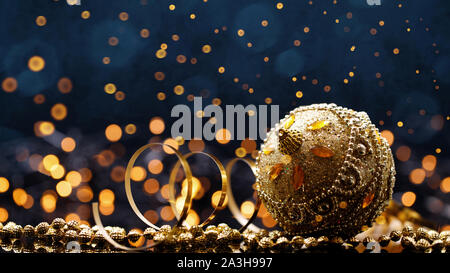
x: 275, y: 171
x: 368, y: 199
x: 318, y: 125
x: 298, y: 177
x: 322, y: 151
x: 289, y: 122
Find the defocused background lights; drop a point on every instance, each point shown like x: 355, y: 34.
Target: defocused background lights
x: 59, y: 111
x: 408, y: 198
x: 68, y: 144
x: 156, y: 125
x: 113, y: 132
x: 9, y: 85
x: 63, y: 188
x: 19, y: 196
x: 36, y: 63
x: 417, y: 176
x: 155, y: 166
x: 4, y: 184
x: 138, y: 174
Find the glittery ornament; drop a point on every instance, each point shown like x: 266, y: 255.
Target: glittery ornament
x: 340, y: 175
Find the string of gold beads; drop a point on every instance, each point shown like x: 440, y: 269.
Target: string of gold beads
x: 54, y: 237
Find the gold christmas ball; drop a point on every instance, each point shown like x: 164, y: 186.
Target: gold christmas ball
x: 326, y: 170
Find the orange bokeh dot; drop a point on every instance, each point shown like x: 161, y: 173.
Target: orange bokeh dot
x: 118, y: 174
x: 151, y: 186
x: 106, y: 197
x: 85, y: 194
x: 403, y: 153
x: 223, y: 136
x: 59, y: 111
x: 196, y: 145
x: 155, y: 166
x: 9, y: 85
x: 429, y: 162
x: 68, y: 144
x: 445, y: 185
x: 138, y: 174
x: 167, y: 213
x: 65, y: 85
x: 388, y: 135
x: 408, y: 198
x: 171, y: 142
x: 417, y: 176
x: 156, y: 125
x: 113, y: 132
x: 36, y: 63
x: 20, y: 196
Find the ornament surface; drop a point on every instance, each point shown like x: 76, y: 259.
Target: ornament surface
x: 325, y: 169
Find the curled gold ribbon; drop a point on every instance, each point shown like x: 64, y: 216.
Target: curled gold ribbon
x: 232, y: 203
x: 187, y: 170
x: 223, y: 194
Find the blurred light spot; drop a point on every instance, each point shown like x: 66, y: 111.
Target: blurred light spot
x: 152, y: 216
x: 85, y: 194
x: 63, y: 188
x: 36, y: 63
x: 74, y: 178
x: 138, y: 174
x: 167, y: 213
x: 118, y: 174
x: 215, y: 198
x: 110, y: 88
x: 445, y: 185
x: 156, y: 125
x: 4, y: 184
x: 9, y: 84
x: 29, y: 203
x: 223, y: 136
x: 41, y: 21
x: 396, y: 51
x: 106, y: 197
x: 196, y: 187
x: 151, y: 186
x: 72, y: 217
x: 49, y: 161
x: 388, y: 135
x: 178, y: 90
x: 65, y: 85
x: 437, y: 122
x: 417, y: 176
x: 196, y: 145
x: 247, y: 209
x: 130, y: 129
x: 3, y: 215
x: 85, y: 14
x: 192, y: 219
x: 403, y: 153
x: 68, y: 144
x: 46, y: 128
x: 408, y: 199
x: 171, y: 142
x: 119, y: 95
x: 279, y: 5
x: 145, y: 33
x: 48, y: 201
x: 268, y: 221
x: 86, y: 174
x: 57, y: 171
x: 123, y: 16
x: 240, y: 152
x: 429, y: 162
x: 113, y: 132
x: 161, y: 53
x: 206, y: 49
x: 39, y: 99
x: 155, y: 166
x: 59, y: 111
x: 19, y: 196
